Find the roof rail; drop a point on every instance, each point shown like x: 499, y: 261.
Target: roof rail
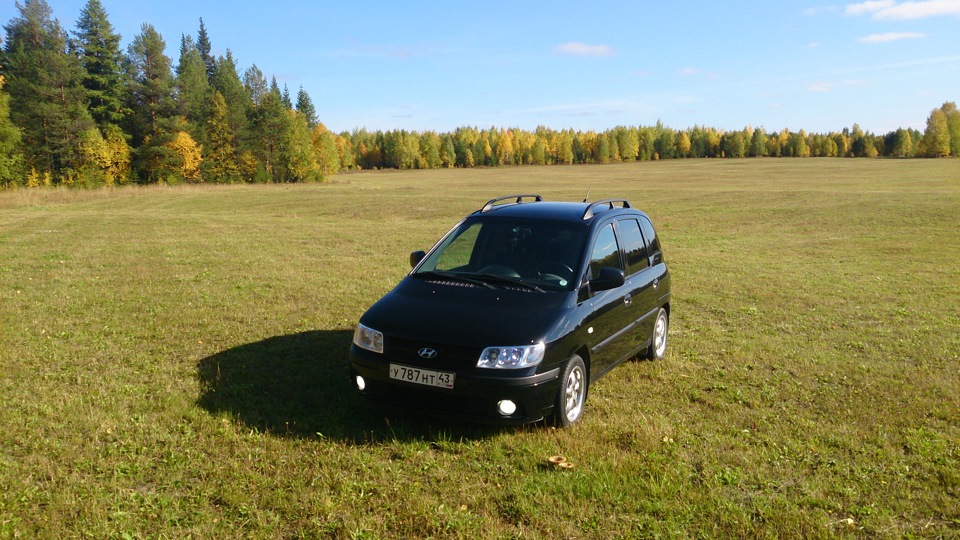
x: 609, y: 203
x: 519, y: 199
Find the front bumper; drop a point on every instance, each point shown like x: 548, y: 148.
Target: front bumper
x: 473, y: 398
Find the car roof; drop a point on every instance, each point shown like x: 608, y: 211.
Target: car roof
x: 577, y: 212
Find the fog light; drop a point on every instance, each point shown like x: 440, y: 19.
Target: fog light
x: 361, y: 384
x: 506, y: 407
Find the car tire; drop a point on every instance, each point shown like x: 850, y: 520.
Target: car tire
x: 658, y: 338
x: 572, y: 394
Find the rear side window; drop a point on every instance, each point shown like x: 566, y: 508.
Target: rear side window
x: 653, y: 244
x: 606, y: 252
x: 633, y: 246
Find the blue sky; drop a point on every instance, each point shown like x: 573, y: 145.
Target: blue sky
x: 438, y: 65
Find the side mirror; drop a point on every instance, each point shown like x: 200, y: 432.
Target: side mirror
x: 416, y: 257
x: 609, y: 278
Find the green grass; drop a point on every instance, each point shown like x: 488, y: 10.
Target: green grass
x: 172, y: 363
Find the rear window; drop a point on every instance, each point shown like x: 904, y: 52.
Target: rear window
x: 653, y: 244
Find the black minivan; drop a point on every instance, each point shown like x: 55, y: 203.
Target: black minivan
x: 516, y: 311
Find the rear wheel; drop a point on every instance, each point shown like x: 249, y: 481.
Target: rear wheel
x: 572, y: 394
x: 658, y: 339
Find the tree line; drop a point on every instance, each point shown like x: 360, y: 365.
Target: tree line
x: 76, y: 110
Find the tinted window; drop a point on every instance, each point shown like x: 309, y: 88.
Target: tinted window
x: 543, y: 251
x: 605, y: 251
x: 633, y: 246
x: 653, y: 244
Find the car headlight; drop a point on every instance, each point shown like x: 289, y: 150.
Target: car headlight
x: 511, y: 357
x: 368, y: 338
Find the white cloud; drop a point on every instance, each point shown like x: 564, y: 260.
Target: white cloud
x: 891, y: 36
x: 584, y: 49
x: 890, y: 10
x: 869, y: 7
x: 688, y: 71
x: 920, y: 10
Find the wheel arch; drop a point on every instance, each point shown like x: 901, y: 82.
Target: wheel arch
x: 584, y: 353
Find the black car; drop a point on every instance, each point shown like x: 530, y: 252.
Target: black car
x: 516, y: 311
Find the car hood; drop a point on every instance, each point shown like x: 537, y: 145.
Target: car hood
x: 467, y: 315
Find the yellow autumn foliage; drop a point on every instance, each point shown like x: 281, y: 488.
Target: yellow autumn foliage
x: 190, y: 153
x: 110, y: 155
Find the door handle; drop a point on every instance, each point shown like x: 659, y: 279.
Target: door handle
x: 656, y: 283
x: 627, y: 300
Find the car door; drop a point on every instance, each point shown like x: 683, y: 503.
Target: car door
x: 642, y: 279
x: 610, y: 309
x: 661, y: 279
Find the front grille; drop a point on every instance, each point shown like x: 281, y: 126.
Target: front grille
x: 449, y: 357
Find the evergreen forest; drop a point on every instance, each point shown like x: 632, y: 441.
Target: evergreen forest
x: 77, y: 110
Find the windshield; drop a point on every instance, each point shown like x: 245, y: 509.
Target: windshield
x: 538, y: 253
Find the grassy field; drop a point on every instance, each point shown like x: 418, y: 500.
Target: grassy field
x: 173, y: 363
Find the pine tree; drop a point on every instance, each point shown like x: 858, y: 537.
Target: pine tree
x: 152, y: 82
x: 193, y: 88
x: 47, y: 99
x: 275, y: 88
x: 305, y: 106
x: 152, y: 100
x: 99, y: 49
x: 268, y: 125
x: 239, y: 104
x: 204, y: 48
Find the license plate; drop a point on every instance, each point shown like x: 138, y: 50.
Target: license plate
x: 428, y: 377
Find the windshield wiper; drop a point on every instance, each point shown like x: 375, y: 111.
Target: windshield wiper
x: 510, y: 280
x: 453, y: 276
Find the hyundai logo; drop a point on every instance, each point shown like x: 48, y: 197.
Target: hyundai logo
x: 427, y: 353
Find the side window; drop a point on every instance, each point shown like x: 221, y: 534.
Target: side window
x: 633, y: 246
x: 606, y: 252
x: 653, y: 244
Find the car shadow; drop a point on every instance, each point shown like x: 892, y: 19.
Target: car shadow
x: 297, y: 386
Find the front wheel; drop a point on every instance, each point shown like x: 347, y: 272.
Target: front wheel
x: 658, y: 339
x: 572, y: 393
